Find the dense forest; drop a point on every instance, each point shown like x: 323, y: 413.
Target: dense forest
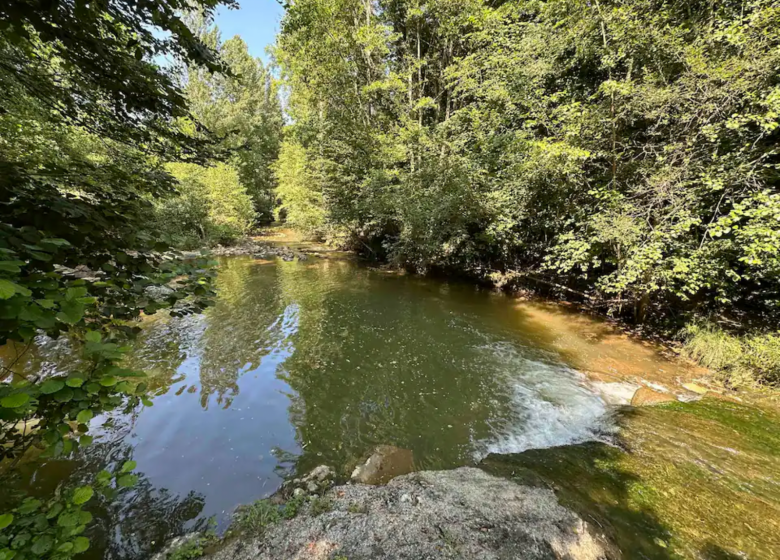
x: 626, y: 152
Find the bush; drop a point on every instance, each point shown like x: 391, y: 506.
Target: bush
x: 211, y: 206
x: 751, y: 359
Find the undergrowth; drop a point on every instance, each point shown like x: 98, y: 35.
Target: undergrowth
x: 738, y: 360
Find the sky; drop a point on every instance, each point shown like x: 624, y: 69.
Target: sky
x: 256, y: 21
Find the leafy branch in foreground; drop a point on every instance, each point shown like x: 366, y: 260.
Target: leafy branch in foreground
x: 54, y: 528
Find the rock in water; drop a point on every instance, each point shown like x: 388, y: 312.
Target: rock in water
x: 648, y: 397
x: 386, y: 463
x: 464, y: 513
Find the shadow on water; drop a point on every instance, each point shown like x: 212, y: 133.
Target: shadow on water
x: 696, y: 480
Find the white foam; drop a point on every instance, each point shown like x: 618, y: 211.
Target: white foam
x: 552, y: 406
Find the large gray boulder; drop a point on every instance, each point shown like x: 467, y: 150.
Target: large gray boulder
x: 464, y: 513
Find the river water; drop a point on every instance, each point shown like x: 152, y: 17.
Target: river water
x: 317, y: 362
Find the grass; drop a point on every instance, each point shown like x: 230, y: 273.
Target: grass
x: 258, y: 516
x: 746, y: 360
x: 193, y: 548
x: 357, y: 508
x: 320, y: 505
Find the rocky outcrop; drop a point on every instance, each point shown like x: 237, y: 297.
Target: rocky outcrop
x: 464, y: 513
x: 645, y: 396
x: 385, y: 463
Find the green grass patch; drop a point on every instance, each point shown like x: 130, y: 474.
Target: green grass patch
x: 739, y: 360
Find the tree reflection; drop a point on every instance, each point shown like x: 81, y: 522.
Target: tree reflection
x: 379, y: 361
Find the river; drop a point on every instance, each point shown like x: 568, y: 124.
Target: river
x: 317, y: 362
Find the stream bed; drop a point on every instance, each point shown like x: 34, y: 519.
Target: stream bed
x: 317, y: 362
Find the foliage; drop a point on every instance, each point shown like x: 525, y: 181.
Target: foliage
x: 241, y: 107
x: 628, y: 150
x: 256, y: 517
x: 301, y: 204
x: 88, y: 119
x: 320, y: 505
x: 54, y: 529
x: 212, y: 206
x: 741, y: 360
x: 195, y: 547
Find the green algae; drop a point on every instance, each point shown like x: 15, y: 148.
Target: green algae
x: 695, y: 480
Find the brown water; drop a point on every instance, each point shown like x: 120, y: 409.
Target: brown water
x: 300, y: 364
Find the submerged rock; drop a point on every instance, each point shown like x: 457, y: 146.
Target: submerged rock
x: 316, y: 482
x: 465, y: 513
x: 615, y: 394
x: 648, y: 397
x: 386, y: 463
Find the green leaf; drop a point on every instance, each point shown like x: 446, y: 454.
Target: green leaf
x: 65, y: 547
x: 11, y: 266
x: 57, y: 242
x: 46, y: 303
x: 127, y: 480
x: 54, y: 511
x: 103, y: 477
x: 52, y: 386
x: 68, y: 519
x: 5, y: 520
x: 92, y: 387
x: 74, y: 382
x: 128, y: 466
x: 15, y: 401
x: 73, y: 293
x: 42, y: 545
x: 85, y: 440
x: 92, y: 336
x: 71, y: 312
x: 84, y: 416
x: 40, y: 256
x: 7, y: 554
x: 108, y: 381
x: 29, y: 505
x: 64, y: 395
x: 80, y: 544
x: 7, y: 289
x: 84, y: 518
x: 82, y: 495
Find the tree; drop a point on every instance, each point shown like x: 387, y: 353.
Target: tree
x: 241, y: 107
x: 88, y: 120
x: 627, y: 150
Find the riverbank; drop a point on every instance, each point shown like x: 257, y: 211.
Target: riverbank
x: 462, y: 513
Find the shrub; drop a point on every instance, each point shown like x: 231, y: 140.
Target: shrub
x: 211, y: 206
x: 750, y: 359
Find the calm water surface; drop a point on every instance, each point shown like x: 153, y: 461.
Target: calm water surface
x: 301, y: 364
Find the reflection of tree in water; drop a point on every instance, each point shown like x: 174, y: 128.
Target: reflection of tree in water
x: 237, y: 334
x: 376, y: 363
x: 129, y: 523
x: 43, y: 358
x: 162, y: 346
